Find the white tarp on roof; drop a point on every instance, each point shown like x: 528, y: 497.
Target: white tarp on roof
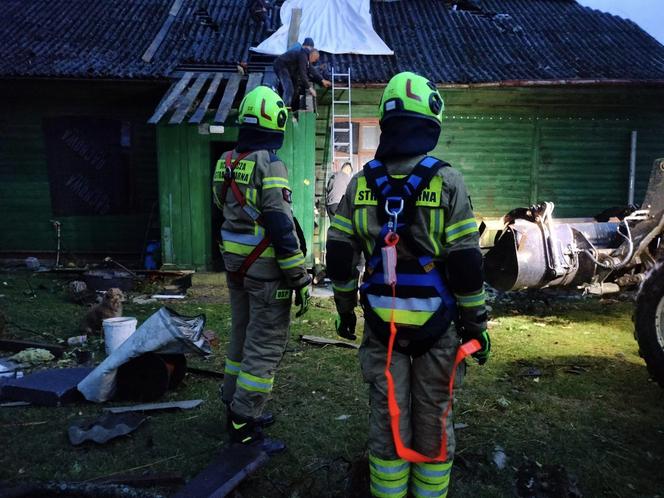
x: 336, y: 26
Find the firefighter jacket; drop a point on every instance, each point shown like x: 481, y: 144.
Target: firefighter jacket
x: 443, y: 226
x: 262, y: 179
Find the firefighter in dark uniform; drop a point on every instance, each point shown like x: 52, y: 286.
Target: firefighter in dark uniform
x: 422, y: 292
x: 264, y: 261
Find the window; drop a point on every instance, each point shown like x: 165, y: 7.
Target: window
x: 88, y: 165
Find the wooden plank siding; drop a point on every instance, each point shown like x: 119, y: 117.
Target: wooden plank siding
x: 516, y: 146
x: 25, y: 201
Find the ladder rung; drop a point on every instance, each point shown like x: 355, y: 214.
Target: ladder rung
x: 342, y: 101
x: 341, y: 74
x: 341, y: 144
x: 341, y: 116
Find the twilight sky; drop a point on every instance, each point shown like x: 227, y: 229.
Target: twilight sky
x: 649, y: 14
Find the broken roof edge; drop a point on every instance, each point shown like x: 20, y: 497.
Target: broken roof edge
x: 534, y: 83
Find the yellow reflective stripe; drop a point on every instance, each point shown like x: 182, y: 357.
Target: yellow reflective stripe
x: 291, y: 261
x: 342, y: 224
x: 349, y: 286
x: 471, y: 300
x: 251, y: 195
x: 275, y: 182
x: 404, y: 317
x: 250, y: 382
x: 433, y: 473
x: 244, y: 250
x: 435, y: 228
x: 461, y: 228
x: 361, y: 219
x: 232, y: 367
x: 420, y: 488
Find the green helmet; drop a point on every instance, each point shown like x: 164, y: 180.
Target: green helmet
x: 409, y: 94
x: 263, y: 108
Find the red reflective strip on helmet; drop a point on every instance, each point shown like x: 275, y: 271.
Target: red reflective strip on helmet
x: 410, y: 93
x: 263, y: 113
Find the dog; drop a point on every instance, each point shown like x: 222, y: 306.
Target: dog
x: 110, y: 307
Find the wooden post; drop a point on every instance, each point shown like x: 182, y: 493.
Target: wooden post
x: 294, y: 27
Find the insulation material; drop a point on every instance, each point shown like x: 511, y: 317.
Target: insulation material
x: 336, y: 26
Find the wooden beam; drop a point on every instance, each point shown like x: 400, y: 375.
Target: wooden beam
x: 294, y: 27
x: 163, y: 31
x: 172, y: 96
x: 198, y: 116
x: 228, y: 98
x: 225, y: 472
x: 188, y: 99
x: 253, y: 81
x: 16, y: 345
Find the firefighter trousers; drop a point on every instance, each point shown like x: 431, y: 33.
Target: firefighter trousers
x: 259, y: 333
x: 422, y: 393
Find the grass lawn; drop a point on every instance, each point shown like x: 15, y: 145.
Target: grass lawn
x: 565, y: 385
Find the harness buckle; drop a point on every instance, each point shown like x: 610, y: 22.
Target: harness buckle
x: 228, y: 174
x: 393, y: 212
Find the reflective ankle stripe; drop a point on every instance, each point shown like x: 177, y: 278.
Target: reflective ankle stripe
x: 231, y: 367
x: 250, y: 382
x: 471, y: 300
x: 389, y: 478
x: 431, y: 480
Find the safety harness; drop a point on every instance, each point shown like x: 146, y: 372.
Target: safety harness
x: 229, y: 182
x: 399, y: 196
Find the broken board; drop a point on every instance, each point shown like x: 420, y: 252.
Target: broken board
x: 225, y: 472
x: 324, y: 341
x: 146, y: 407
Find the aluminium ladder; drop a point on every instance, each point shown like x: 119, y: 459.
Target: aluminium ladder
x: 342, y: 137
x: 342, y: 128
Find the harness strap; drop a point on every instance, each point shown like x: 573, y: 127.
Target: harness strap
x: 229, y: 182
x: 403, y: 451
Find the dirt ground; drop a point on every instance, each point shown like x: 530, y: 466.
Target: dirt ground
x: 564, y: 405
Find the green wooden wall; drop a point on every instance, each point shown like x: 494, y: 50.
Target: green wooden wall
x: 185, y: 183
x: 516, y: 146
x: 25, y: 203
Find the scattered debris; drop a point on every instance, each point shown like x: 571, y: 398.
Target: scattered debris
x: 460, y: 426
x: 148, y: 376
x: 165, y: 332
x: 171, y: 405
x: 576, y: 370
x: 543, y: 481
x: 143, y: 300
x: 168, y: 296
x: 9, y: 368
x: 102, y: 280
x: 503, y: 402
x: 104, y: 428
x: 17, y: 345
x: 52, y: 387
x: 499, y: 458
x: 32, y: 263
x: 324, y: 341
x: 12, y: 404
x: 225, y: 472
x: 531, y: 372
x: 211, y: 337
x: 33, y: 356
x: 342, y: 417
x: 77, y: 340
x: 205, y: 373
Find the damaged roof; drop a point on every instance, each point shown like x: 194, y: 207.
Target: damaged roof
x: 508, y: 40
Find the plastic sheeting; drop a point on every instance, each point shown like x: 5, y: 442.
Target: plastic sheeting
x: 165, y: 332
x: 336, y: 26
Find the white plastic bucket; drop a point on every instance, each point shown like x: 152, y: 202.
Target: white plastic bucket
x: 117, y: 330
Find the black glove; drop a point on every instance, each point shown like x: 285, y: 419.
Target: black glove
x: 302, y: 299
x: 345, y: 325
x: 481, y: 356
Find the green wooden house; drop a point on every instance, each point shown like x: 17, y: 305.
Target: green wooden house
x: 115, y: 114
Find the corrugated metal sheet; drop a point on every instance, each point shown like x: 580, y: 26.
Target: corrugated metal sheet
x: 24, y: 183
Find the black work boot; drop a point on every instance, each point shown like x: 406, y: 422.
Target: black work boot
x: 265, y: 420
x: 245, y: 430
